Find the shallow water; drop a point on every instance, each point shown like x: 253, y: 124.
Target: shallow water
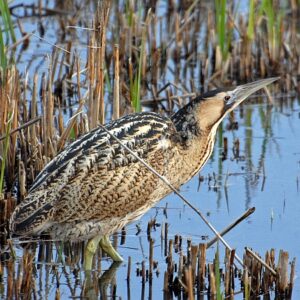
x: 264, y: 175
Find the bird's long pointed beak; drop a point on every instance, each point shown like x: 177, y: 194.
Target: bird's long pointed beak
x: 241, y: 92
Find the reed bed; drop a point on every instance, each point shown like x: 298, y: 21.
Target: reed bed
x: 188, y: 273
x: 131, y: 57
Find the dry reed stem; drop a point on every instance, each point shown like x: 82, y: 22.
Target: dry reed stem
x: 292, y: 277
x: 255, y: 256
x: 202, y: 266
x: 212, y: 280
x: 189, y: 282
x: 282, y: 272
x: 65, y: 134
x: 194, y: 255
x: 21, y: 127
x: 49, y: 109
x: 232, y: 225
x: 116, y: 95
x: 103, y: 19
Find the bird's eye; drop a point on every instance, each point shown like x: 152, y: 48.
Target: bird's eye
x: 226, y: 98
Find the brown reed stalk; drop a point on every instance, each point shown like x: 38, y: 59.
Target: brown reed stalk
x: 282, y: 272
x: 92, y: 107
x: 189, y: 282
x: 202, y: 266
x: 194, y: 255
x: 49, y: 111
x: 9, y: 108
x: 102, y: 19
x: 66, y: 132
x: 212, y: 280
x: 116, y: 95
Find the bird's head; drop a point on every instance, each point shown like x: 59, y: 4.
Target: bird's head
x: 213, y: 106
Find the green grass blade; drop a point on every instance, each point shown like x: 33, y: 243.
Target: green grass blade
x: 136, y: 88
x: 6, y: 33
x: 3, y: 59
x: 267, y: 8
x: 6, y: 20
x: 221, y: 26
x: 129, y: 13
x: 218, y: 275
x: 250, y: 29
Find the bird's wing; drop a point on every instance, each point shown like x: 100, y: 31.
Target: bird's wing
x: 140, y: 132
x: 96, y: 173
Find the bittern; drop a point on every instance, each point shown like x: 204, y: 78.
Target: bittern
x: 95, y: 187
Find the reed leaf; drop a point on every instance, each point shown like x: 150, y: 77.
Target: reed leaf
x: 221, y: 27
x: 274, y: 21
x: 136, y: 99
x: 7, y: 30
x: 250, y: 29
x: 219, y: 295
x: 3, y: 59
x: 129, y: 12
x: 136, y: 86
x: 6, y: 20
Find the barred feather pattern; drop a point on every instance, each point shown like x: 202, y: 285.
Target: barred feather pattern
x: 96, y: 187
x: 95, y: 179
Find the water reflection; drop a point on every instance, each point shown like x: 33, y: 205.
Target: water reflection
x: 105, y: 281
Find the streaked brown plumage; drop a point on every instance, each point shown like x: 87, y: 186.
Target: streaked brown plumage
x: 95, y: 187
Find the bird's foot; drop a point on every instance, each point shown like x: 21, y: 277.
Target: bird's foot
x: 106, y: 245
x: 91, y: 249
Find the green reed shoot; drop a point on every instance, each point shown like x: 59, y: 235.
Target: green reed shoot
x: 6, y: 144
x: 6, y: 33
x: 250, y: 29
x: 3, y: 59
x: 274, y: 21
x: 220, y: 295
x: 136, y: 87
x: 129, y: 12
x: 267, y: 9
x: 222, y: 33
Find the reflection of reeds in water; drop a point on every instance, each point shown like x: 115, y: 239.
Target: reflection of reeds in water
x: 154, y: 60
x: 192, y: 275
x: 188, y: 273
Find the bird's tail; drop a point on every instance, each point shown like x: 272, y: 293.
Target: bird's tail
x: 31, y: 217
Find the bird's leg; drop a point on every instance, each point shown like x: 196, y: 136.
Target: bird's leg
x: 90, y: 250
x: 106, y: 245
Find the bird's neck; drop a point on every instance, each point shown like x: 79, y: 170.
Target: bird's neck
x: 197, y: 141
x: 187, y: 123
